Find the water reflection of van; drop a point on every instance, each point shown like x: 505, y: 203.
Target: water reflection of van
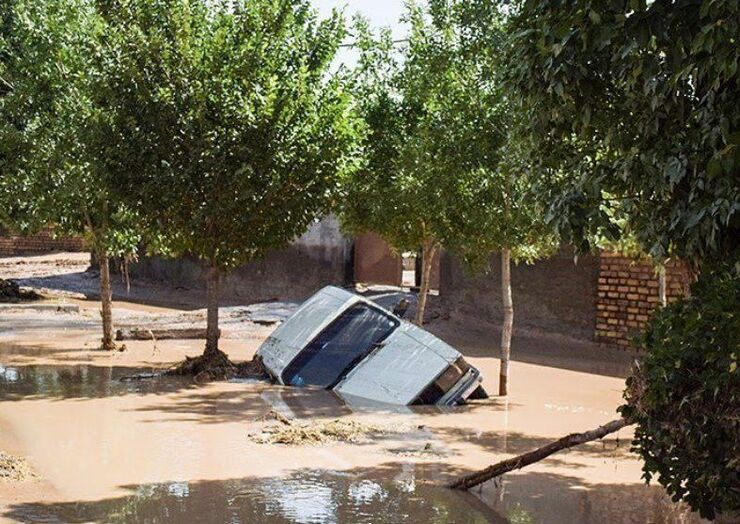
x: 341, y: 341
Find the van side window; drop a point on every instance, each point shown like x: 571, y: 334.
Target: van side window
x: 340, y: 347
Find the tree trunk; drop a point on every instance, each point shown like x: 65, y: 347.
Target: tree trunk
x: 213, y: 293
x: 569, y: 441
x: 662, y: 286
x: 508, y: 327
x: 427, y: 259
x: 106, y: 301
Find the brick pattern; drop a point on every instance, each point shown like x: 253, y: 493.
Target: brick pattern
x: 43, y: 242
x: 628, y: 292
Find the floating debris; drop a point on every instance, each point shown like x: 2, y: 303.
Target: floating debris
x: 12, y: 293
x: 15, y: 469
x: 290, y: 432
x: 140, y: 376
x: 426, y: 451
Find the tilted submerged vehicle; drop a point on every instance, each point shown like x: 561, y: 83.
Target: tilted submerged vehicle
x: 345, y: 342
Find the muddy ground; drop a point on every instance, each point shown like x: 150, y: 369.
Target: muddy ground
x: 171, y: 450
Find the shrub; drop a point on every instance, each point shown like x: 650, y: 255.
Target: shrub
x: 683, y: 396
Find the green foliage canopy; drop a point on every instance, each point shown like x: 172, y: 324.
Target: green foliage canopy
x: 632, y: 111
x: 57, y: 136
x: 439, y: 165
x: 240, y: 131
x: 634, y: 120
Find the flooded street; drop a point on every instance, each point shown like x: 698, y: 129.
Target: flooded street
x: 170, y: 450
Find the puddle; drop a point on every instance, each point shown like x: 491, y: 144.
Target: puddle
x: 311, y: 497
x: 82, y: 381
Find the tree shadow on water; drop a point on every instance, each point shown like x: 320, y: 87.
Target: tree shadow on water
x: 58, y: 382
x: 389, y: 493
x: 561, y: 499
x: 516, y: 443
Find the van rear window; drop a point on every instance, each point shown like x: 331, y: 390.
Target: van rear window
x: 340, y: 347
x: 443, y: 383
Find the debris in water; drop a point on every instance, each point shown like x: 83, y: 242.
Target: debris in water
x: 139, y: 376
x: 160, y: 333
x: 293, y: 433
x: 10, y: 292
x: 15, y: 469
x: 215, y: 365
x: 428, y: 450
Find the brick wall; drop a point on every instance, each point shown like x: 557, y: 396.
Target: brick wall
x: 44, y: 242
x: 628, y: 291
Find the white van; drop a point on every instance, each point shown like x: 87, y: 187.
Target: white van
x: 342, y: 341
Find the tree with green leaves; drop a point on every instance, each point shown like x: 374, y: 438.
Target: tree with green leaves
x: 57, y: 141
x: 634, y: 121
x: 442, y: 168
x: 240, y: 129
x: 633, y: 111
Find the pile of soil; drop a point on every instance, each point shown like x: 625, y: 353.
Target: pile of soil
x: 293, y: 433
x: 12, y: 294
x: 15, y: 469
x: 215, y: 365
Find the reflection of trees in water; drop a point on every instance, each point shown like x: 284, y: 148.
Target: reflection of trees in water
x: 85, y: 381
x: 387, y: 494
x: 306, y: 497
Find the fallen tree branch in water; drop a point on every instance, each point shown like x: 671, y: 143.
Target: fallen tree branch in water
x: 140, y: 376
x: 569, y: 441
x: 160, y: 334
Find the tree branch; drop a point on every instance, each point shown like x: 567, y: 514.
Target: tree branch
x: 518, y: 462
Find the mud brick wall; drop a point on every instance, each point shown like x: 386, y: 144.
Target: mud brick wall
x: 557, y: 295
x: 375, y: 262
x: 320, y: 257
x: 44, y: 242
x: 628, y: 292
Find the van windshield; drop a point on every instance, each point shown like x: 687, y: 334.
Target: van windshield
x: 340, y: 347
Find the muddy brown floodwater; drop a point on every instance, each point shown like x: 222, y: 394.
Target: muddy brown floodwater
x: 169, y: 450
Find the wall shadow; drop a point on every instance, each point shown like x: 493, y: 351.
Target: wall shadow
x: 481, y: 340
